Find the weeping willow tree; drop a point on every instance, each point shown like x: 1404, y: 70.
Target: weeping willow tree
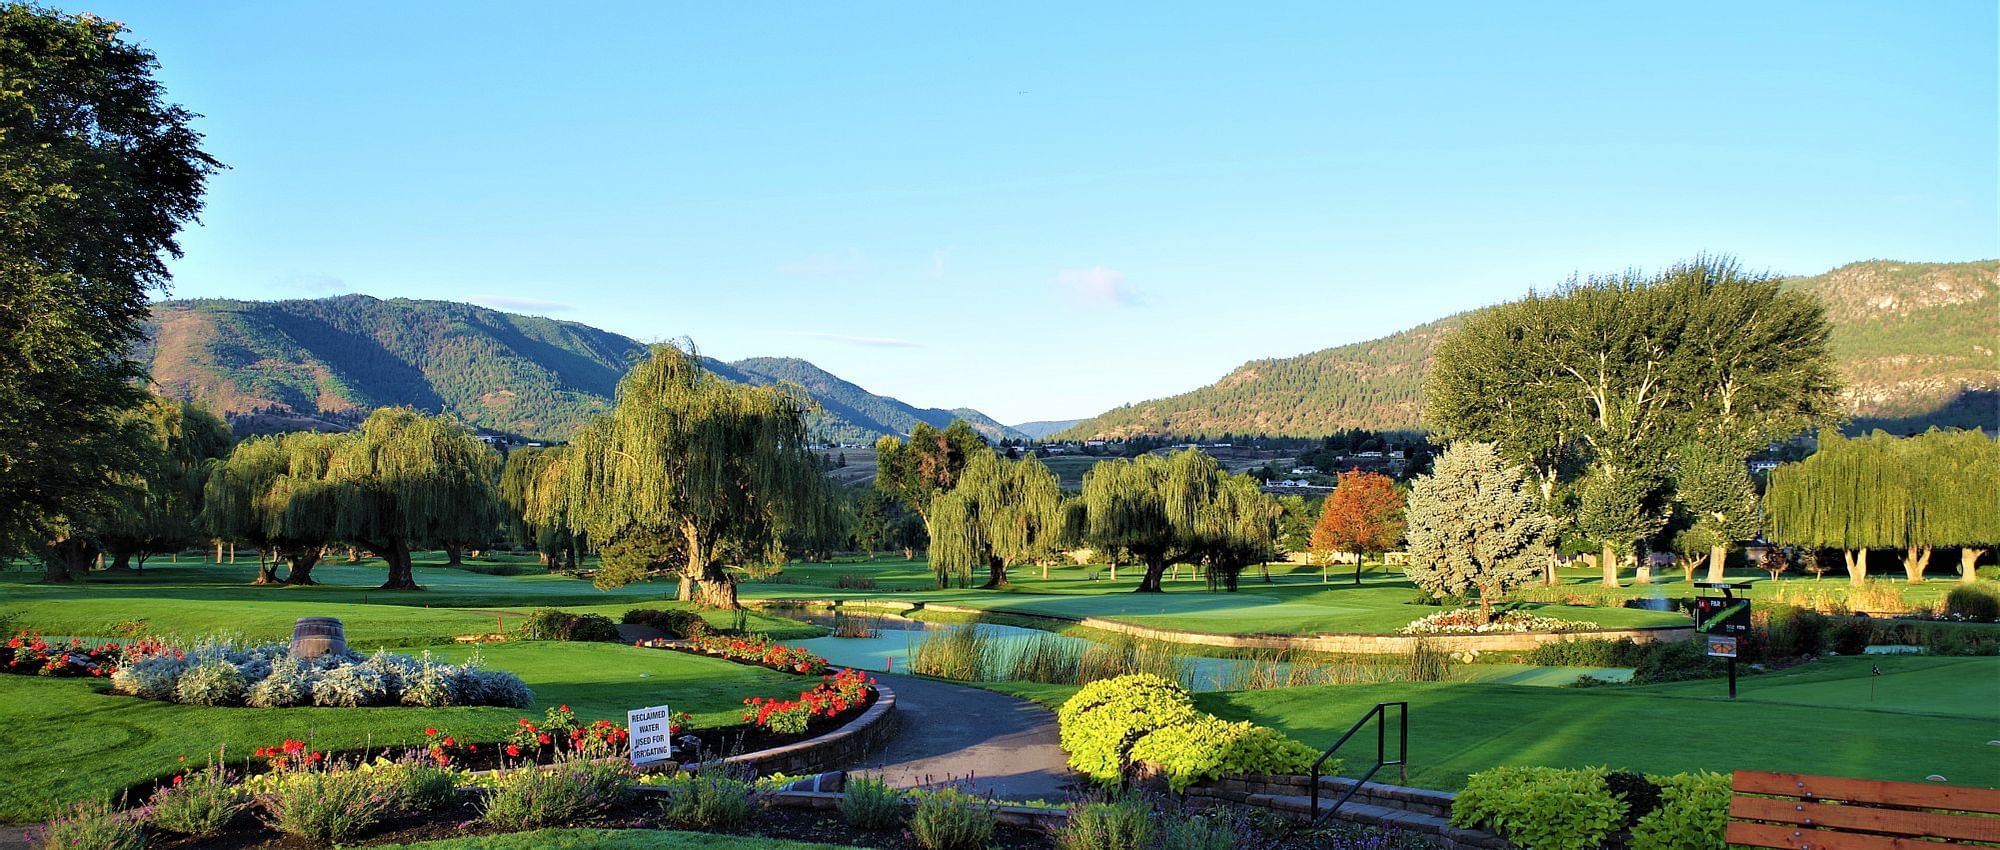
x: 1000, y: 514
x: 1238, y: 527
x: 1883, y: 492
x: 409, y: 480
x: 690, y: 464
x: 1151, y: 507
x: 160, y: 508
x: 276, y: 493
x: 530, y: 478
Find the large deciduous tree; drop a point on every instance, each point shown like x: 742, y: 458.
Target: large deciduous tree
x: 1002, y: 513
x: 97, y: 175
x: 1475, y: 524
x: 690, y: 464
x: 277, y: 493
x: 407, y: 480
x: 1149, y: 506
x: 1713, y: 488
x: 1364, y: 515
x: 161, y: 507
x: 927, y: 465
x: 1605, y: 380
x: 1884, y: 492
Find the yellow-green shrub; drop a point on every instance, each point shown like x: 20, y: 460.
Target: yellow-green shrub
x: 1102, y: 721
x: 1541, y: 807
x: 1210, y: 748
x: 1693, y: 814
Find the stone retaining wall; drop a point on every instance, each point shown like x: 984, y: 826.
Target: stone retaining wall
x: 1330, y: 642
x: 841, y: 747
x: 1419, y: 810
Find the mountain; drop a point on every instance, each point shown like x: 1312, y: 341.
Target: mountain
x: 324, y: 363
x: 1915, y: 345
x: 1044, y: 427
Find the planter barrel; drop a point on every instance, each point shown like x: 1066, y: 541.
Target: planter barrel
x: 313, y: 637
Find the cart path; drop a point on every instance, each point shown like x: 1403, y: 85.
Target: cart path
x: 1007, y: 747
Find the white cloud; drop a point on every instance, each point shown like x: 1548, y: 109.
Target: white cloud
x: 823, y: 265
x: 866, y: 341
x: 508, y: 302
x: 1098, y: 287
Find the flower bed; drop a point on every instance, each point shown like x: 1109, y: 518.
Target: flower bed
x: 749, y: 649
x: 30, y: 654
x: 219, y: 673
x: 829, y: 699
x: 1467, y: 621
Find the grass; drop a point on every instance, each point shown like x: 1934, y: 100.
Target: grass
x: 1925, y: 716
x: 66, y: 739
x: 613, y: 839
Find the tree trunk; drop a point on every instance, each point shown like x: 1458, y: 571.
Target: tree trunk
x: 545, y: 558
x: 1485, y: 604
x: 686, y: 592
x: 1968, y: 564
x: 996, y: 574
x: 454, y: 555
x: 1691, y: 564
x: 1358, y: 558
x: 715, y: 588
x: 1642, y: 569
x: 218, y: 551
x: 68, y: 561
x: 303, y: 561
x: 1549, y: 577
x: 401, y: 576
x: 909, y: 553
x: 1915, y: 560
x: 1610, y: 565
x: 267, y: 572
x: 121, y: 561
x: 1156, y: 567
x: 1857, y: 566
x: 1718, y: 560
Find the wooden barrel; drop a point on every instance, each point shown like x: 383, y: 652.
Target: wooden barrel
x: 313, y: 637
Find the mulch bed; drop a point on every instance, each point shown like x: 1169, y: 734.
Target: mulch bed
x: 777, y: 822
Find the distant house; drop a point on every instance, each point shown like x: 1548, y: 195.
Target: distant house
x: 1305, y: 470
x: 1758, y: 467
x: 1093, y: 443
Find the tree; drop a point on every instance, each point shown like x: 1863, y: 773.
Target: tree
x: 1713, y: 487
x: 1475, y: 523
x: 1885, y: 492
x: 1363, y: 516
x: 927, y: 465
x: 528, y: 478
x: 725, y: 470
x: 161, y: 508
x: 277, y: 493
x: 1002, y: 513
x: 407, y: 480
x: 1774, y: 562
x: 1617, y: 507
x: 1239, y: 527
x: 1149, y: 506
x: 97, y: 175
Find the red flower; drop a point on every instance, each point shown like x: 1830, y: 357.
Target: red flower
x: 431, y: 731
x: 544, y: 738
x: 177, y: 779
x: 450, y: 743
x: 513, y: 751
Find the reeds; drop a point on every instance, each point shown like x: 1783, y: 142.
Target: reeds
x: 959, y: 652
x: 847, y: 625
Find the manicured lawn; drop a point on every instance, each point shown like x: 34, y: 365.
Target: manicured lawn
x: 1928, y: 716
x: 1296, y: 602
x: 64, y: 739
x: 614, y: 839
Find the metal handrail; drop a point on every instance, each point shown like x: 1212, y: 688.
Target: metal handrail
x: 1379, y: 714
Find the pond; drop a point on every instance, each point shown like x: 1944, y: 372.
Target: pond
x: 896, y: 638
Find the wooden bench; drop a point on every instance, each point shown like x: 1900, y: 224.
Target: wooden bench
x: 1798, y: 812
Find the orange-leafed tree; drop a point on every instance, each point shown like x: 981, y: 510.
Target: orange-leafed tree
x: 1363, y: 516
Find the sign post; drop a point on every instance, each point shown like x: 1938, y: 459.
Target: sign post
x: 1723, y: 622
x: 647, y: 728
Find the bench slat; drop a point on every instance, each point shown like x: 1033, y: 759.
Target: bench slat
x: 1890, y: 821
x: 1792, y: 838
x: 1915, y: 794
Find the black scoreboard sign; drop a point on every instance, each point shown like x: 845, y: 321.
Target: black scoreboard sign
x: 1730, y: 617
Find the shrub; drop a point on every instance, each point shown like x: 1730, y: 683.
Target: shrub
x: 679, y: 624
x: 1850, y: 635
x: 431, y: 685
x: 1211, y: 748
x: 1586, y: 652
x: 568, y: 790
x: 149, y: 678
x: 961, y: 652
x: 1788, y: 631
x: 416, y: 786
x: 853, y: 581
x: 1198, y: 833
x: 1676, y: 661
x: 200, y: 804
x: 213, y: 682
x: 949, y: 819
x: 871, y: 804
x: 1126, y: 823
x: 709, y: 799
x: 1101, y: 722
x: 289, y: 684
x: 325, y: 807
x: 350, y: 686
x: 553, y: 624
x: 491, y: 687
x: 1541, y: 807
x: 1693, y: 814
x: 1972, y: 602
x: 93, y: 825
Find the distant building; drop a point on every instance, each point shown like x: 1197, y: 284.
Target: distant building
x: 1763, y: 466
x: 1305, y: 470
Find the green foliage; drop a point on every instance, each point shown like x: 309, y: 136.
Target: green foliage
x: 1881, y: 491
x: 556, y: 624
x: 325, y: 807
x: 566, y: 791
x: 160, y: 507
x: 709, y: 799
x: 1541, y: 807
x: 1000, y: 513
x: 1099, y: 725
x: 674, y: 623
x: 950, y: 819
x: 1158, y: 508
x: 91, y: 825
x: 1693, y: 814
x: 1209, y: 748
x: 1676, y: 661
x: 201, y: 804
x: 960, y: 652
x: 870, y: 803
x: 1587, y: 652
x: 416, y: 786
x: 1121, y: 823
x: 1475, y: 525
x: 1977, y: 603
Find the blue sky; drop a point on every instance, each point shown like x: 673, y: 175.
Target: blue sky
x: 1047, y: 210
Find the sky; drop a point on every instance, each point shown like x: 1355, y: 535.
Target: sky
x: 1047, y: 210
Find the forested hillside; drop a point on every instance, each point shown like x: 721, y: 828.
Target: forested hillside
x: 324, y: 363
x: 1915, y: 344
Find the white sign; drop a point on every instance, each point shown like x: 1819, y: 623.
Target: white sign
x: 651, y: 740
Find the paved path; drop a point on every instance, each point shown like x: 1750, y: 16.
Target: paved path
x: 1007, y: 747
